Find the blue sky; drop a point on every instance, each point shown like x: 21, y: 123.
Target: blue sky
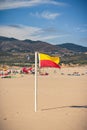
x: 52, y: 21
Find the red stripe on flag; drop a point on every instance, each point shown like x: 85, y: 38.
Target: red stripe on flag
x: 48, y: 63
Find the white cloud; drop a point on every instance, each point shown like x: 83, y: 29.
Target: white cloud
x: 52, y: 37
x: 49, y: 15
x: 10, y: 4
x: 20, y: 32
x: 46, y: 15
x: 27, y: 32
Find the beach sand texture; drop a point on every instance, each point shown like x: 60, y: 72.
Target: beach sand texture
x: 62, y: 101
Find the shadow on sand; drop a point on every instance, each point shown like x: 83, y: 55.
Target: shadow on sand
x: 85, y: 106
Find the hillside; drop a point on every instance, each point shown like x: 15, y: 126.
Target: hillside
x: 73, y: 47
x: 15, y: 52
x: 15, y: 45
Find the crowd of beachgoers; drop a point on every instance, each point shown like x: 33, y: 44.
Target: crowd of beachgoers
x: 11, y: 72
x: 8, y: 72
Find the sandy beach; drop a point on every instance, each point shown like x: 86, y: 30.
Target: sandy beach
x: 62, y: 101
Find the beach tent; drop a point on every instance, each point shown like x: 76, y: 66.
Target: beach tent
x: 25, y: 70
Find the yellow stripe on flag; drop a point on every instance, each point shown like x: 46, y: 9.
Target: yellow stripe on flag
x: 47, y: 57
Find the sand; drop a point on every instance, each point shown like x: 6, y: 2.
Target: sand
x: 62, y: 101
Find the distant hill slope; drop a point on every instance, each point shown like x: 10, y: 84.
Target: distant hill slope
x: 73, y: 47
x: 15, y: 52
x: 15, y: 45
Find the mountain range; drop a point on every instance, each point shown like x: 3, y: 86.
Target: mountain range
x: 15, y: 45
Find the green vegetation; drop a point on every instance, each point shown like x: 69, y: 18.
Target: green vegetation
x: 18, y: 59
x: 21, y: 53
x: 21, y: 59
x: 75, y: 59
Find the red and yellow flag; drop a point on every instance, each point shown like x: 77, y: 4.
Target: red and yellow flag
x: 48, y: 61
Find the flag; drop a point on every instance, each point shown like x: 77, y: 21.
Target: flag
x: 48, y: 61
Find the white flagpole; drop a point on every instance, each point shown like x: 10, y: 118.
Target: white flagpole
x: 35, y: 81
